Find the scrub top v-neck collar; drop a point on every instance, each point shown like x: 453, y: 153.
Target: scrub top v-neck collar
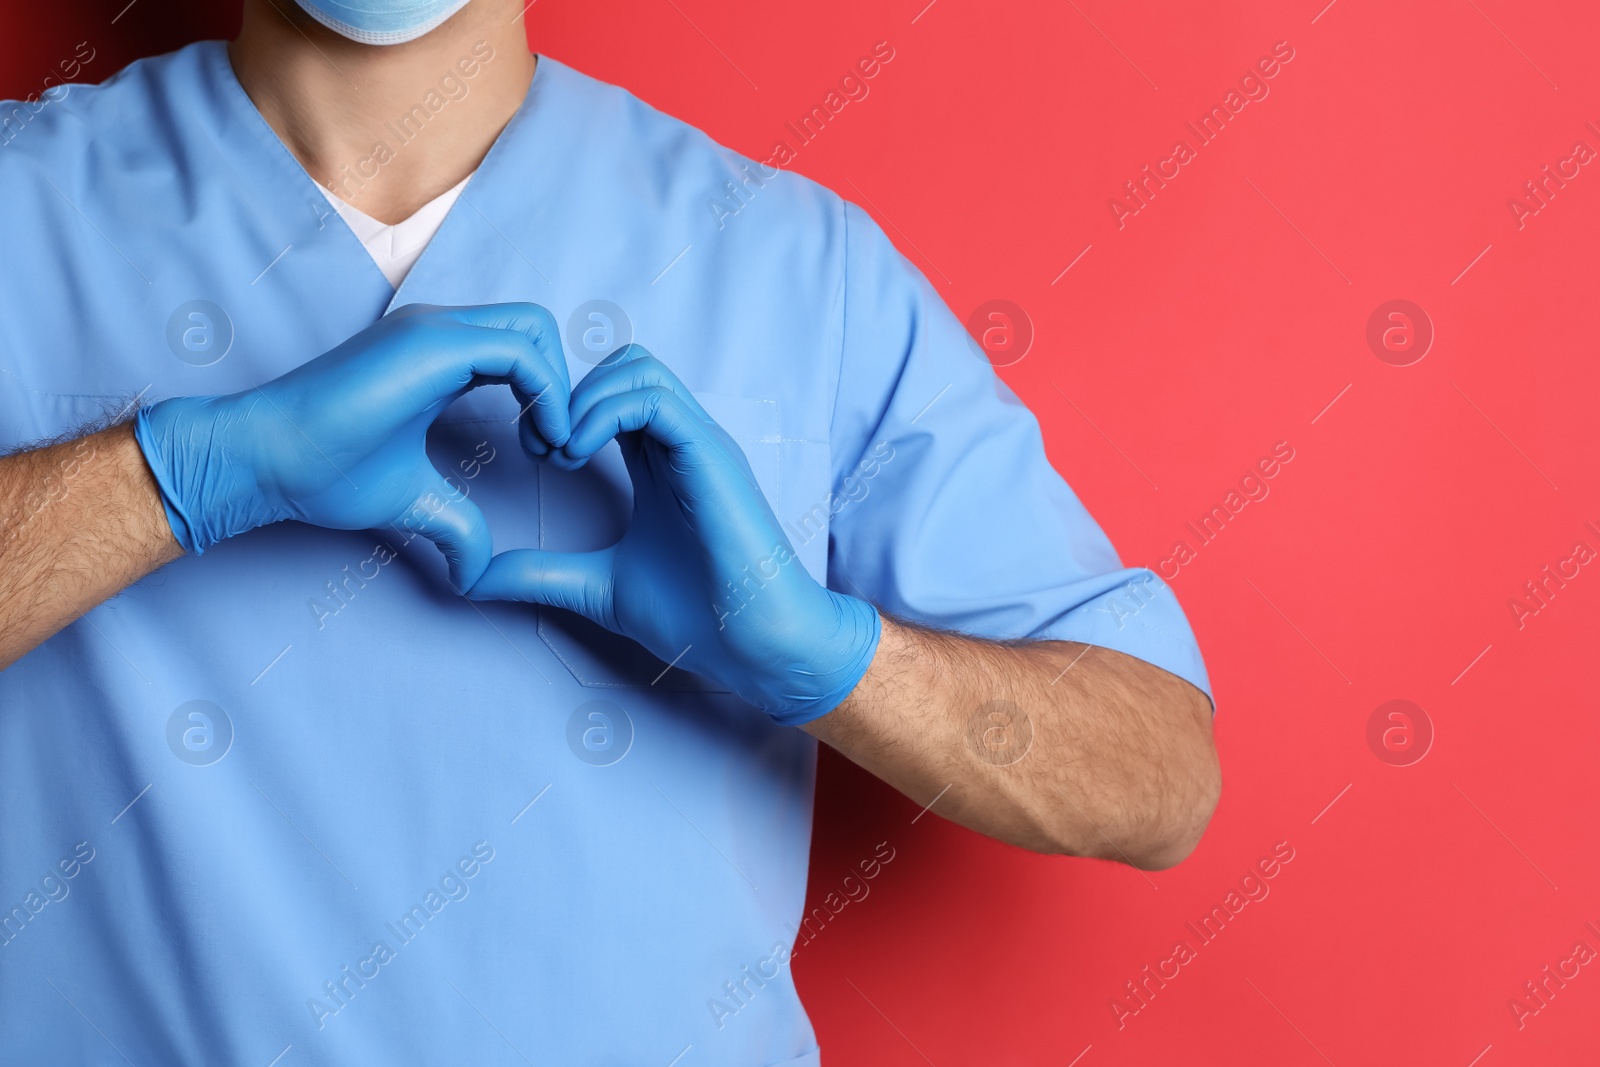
x: 517, y: 180
x: 285, y: 186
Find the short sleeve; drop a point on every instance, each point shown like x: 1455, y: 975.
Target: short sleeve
x: 947, y: 512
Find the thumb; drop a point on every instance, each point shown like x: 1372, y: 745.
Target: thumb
x: 580, y: 582
x: 455, y: 524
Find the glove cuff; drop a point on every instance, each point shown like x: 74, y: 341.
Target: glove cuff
x: 205, y: 494
x: 857, y: 637
x: 151, y: 444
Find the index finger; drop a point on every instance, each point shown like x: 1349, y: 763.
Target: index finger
x: 542, y: 383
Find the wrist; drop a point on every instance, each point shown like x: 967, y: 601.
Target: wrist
x: 138, y: 497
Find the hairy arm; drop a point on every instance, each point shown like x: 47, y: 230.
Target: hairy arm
x: 1055, y: 746
x: 79, y: 521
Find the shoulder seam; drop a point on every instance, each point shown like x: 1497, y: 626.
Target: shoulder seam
x: 843, y: 321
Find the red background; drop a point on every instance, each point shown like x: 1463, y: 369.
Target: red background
x: 1221, y: 319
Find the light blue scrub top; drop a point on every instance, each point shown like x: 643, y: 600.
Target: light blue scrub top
x: 424, y: 840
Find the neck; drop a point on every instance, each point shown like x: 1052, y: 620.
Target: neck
x: 386, y: 128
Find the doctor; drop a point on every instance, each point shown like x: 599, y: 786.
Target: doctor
x: 278, y: 778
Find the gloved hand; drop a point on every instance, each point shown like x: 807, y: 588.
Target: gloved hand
x: 705, y: 577
x: 338, y: 441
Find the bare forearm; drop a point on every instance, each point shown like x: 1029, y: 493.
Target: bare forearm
x: 1054, y: 746
x: 78, y: 522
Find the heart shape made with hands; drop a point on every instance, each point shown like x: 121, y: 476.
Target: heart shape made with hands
x: 701, y: 578
x: 704, y: 576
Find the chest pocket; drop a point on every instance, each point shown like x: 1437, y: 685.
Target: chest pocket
x: 590, y: 508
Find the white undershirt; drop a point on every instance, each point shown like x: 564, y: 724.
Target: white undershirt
x: 396, y: 248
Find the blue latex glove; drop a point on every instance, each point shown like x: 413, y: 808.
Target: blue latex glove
x: 705, y: 577
x: 338, y: 441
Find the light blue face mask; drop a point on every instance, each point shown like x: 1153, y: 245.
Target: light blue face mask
x: 381, y: 21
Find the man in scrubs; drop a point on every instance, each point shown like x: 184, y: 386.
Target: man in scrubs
x: 435, y: 539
